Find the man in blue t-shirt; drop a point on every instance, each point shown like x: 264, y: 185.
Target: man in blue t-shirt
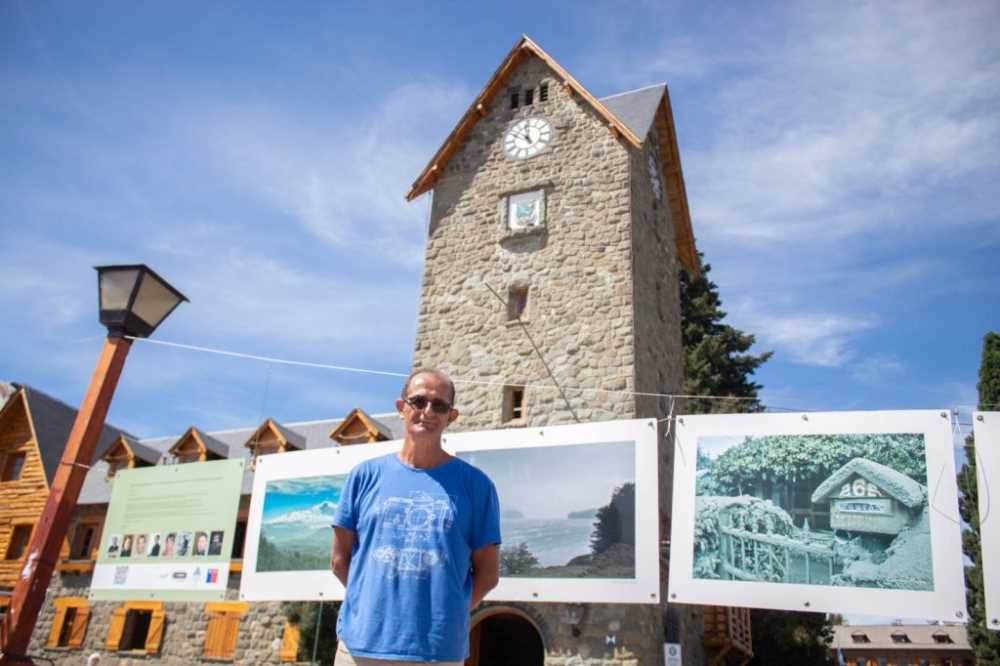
x: 415, y: 542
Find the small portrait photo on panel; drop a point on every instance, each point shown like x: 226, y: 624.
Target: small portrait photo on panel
x: 140, y: 545
x: 126, y: 550
x: 114, y: 545
x: 184, y: 543
x: 200, y: 543
x: 215, y: 543
x: 155, y: 545
x: 169, y: 545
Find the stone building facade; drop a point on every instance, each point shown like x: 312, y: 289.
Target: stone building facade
x: 597, y: 286
x: 586, y: 299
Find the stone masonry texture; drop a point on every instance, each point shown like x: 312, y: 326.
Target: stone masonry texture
x: 603, y: 309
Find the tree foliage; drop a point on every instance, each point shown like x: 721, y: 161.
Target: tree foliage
x: 307, y: 617
x: 615, y: 521
x: 517, y: 560
x: 716, y: 361
x: 797, y: 458
x: 985, y: 642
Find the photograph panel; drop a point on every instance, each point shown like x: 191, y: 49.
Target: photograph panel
x: 834, y: 509
x: 566, y: 511
x: 295, y: 528
x: 841, y: 512
x: 986, y: 427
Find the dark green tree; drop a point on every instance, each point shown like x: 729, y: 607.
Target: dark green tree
x: 717, y: 362
x: 517, y: 560
x: 306, y: 616
x: 615, y: 521
x: 716, y: 358
x: 985, y: 642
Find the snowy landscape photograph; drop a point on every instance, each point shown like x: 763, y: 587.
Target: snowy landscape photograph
x: 295, y: 530
x: 819, y: 509
x: 566, y: 511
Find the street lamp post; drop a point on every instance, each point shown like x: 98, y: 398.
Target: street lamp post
x: 133, y: 302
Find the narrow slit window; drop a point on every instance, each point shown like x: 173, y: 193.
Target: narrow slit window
x: 513, y: 403
x: 529, y: 96
x: 515, y: 97
x: 517, y: 303
x: 543, y: 92
x: 18, y: 543
x: 13, y: 467
x: 82, y: 541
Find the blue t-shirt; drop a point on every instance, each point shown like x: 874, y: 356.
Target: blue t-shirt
x: 410, y: 581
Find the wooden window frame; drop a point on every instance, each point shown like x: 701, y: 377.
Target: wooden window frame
x: 95, y: 541
x: 79, y: 619
x: 513, y: 414
x: 154, y: 634
x: 8, y: 457
x: 222, y: 632
x: 10, y: 541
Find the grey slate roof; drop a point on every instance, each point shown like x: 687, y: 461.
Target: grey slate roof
x: 292, y: 437
x: 307, y: 435
x: 53, y: 419
x: 900, y: 486
x: 636, y: 108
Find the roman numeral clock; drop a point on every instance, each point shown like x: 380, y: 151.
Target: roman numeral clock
x: 527, y: 137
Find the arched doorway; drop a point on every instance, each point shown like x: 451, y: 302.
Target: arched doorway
x: 505, y: 637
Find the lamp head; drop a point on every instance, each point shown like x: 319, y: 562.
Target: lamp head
x: 134, y: 300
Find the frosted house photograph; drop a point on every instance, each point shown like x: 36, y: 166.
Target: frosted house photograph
x: 567, y: 511
x: 844, y: 510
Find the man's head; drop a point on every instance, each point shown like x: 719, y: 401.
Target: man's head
x: 426, y: 405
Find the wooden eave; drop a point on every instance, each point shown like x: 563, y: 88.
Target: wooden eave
x: 270, y: 425
x: 122, y: 447
x: 523, y: 48
x: 357, y: 415
x: 194, y: 435
x: 673, y: 183
x: 34, y: 434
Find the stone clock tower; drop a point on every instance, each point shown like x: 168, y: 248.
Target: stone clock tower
x: 558, y: 225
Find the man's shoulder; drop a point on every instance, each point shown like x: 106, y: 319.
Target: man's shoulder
x: 472, y: 472
x: 373, y: 465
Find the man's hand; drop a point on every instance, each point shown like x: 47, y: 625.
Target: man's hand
x: 485, y: 572
x: 340, y: 553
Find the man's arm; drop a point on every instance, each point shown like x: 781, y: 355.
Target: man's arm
x: 340, y: 554
x: 485, y: 572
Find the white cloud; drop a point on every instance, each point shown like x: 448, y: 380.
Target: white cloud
x: 877, y: 369
x: 818, y: 339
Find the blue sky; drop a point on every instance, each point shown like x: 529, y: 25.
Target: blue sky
x: 840, y: 158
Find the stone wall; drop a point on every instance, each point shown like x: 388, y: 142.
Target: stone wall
x: 603, y: 309
x: 258, y: 642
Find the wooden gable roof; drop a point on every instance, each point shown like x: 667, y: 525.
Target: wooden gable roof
x: 358, y: 427
x: 131, y: 449
x: 670, y: 162
x: 207, y: 446
x: 523, y: 48
x: 51, y: 421
x: 287, y: 440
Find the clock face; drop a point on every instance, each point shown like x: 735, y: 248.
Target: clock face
x: 526, y: 138
x: 654, y: 178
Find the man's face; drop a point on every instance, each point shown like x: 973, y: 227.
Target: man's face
x: 426, y: 423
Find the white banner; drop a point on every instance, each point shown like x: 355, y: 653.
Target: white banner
x: 838, y: 512
x: 986, y: 426
x: 579, y: 513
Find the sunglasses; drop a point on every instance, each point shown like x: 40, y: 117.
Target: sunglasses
x: 419, y: 403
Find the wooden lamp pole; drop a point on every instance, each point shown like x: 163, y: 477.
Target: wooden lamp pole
x: 134, y: 301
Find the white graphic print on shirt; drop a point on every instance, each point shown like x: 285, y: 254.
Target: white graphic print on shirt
x: 411, y: 533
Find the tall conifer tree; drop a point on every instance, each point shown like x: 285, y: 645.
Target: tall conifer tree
x: 985, y: 642
x: 717, y: 362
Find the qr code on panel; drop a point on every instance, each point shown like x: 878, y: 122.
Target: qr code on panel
x: 121, y: 575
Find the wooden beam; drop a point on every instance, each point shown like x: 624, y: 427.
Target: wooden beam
x: 43, y: 551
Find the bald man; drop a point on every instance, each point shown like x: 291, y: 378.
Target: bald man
x: 416, y: 539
